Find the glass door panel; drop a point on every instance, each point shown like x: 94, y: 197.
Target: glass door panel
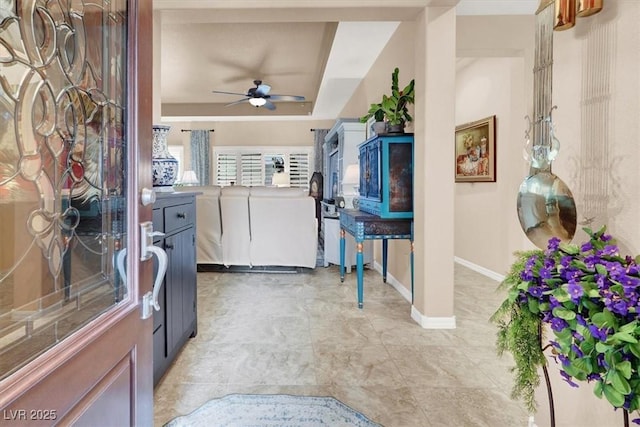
x: 62, y: 157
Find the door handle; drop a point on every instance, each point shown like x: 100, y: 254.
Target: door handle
x: 150, y: 299
x: 147, y: 250
x: 162, y: 270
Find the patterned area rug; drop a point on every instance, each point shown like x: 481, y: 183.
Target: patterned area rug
x: 260, y: 410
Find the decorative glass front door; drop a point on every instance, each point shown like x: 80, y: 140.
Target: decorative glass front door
x: 62, y: 170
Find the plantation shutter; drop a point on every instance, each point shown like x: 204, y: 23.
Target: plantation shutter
x: 299, y: 170
x: 270, y: 166
x: 226, y: 169
x: 251, y: 169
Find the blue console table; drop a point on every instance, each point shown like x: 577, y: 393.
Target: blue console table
x: 365, y: 226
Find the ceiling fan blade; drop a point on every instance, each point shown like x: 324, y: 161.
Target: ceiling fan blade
x: 269, y: 105
x: 262, y: 89
x: 286, y: 98
x: 237, y: 78
x: 240, y: 101
x: 241, y: 66
x: 229, y: 93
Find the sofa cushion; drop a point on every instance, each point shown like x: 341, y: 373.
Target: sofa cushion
x: 209, y: 190
x: 234, y: 208
x: 258, y: 226
x: 284, y: 230
x: 208, y: 223
x: 234, y: 191
x: 278, y: 192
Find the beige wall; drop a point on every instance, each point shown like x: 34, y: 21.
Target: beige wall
x: 431, y: 38
x: 488, y: 59
x: 487, y: 231
x: 276, y: 133
x: 236, y: 133
x: 399, y: 52
x: 494, y: 75
x: 599, y: 157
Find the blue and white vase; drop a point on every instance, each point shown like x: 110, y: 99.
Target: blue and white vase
x: 165, y: 166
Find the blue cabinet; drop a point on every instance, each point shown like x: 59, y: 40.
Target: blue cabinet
x: 174, y: 214
x: 386, y: 176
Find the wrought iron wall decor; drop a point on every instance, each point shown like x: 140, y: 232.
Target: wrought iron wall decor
x: 546, y: 206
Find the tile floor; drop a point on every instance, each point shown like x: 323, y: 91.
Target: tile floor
x: 303, y: 334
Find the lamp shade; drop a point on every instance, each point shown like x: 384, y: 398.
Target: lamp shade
x: 281, y: 179
x: 189, y: 178
x: 352, y: 174
x: 351, y: 180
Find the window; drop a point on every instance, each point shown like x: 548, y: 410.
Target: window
x: 226, y: 169
x: 299, y: 170
x: 251, y: 169
x: 255, y: 166
x: 272, y: 163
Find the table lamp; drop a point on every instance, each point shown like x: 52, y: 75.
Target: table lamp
x: 189, y: 178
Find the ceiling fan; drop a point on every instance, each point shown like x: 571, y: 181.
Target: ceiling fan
x: 259, y: 96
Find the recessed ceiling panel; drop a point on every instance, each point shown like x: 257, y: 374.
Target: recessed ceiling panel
x: 199, y: 58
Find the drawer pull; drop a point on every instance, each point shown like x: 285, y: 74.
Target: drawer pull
x: 182, y: 215
x: 168, y: 245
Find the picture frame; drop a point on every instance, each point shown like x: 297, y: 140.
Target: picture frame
x: 475, y: 151
x: 369, y: 132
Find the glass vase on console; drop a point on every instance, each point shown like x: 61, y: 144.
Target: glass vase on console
x: 165, y: 166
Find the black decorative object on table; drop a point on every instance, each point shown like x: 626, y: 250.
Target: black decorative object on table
x: 316, y: 191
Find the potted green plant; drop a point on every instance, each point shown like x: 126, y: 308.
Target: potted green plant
x: 375, y: 111
x: 393, y: 109
x: 395, y: 105
x: 588, y: 297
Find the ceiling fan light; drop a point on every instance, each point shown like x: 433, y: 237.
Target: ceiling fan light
x: 257, y: 102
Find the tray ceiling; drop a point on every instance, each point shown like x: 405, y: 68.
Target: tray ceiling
x: 303, y: 50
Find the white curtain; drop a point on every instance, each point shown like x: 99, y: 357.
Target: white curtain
x: 200, y: 155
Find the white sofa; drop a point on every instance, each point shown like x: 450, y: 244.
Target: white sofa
x: 208, y: 224
x: 255, y: 226
x: 234, y: 211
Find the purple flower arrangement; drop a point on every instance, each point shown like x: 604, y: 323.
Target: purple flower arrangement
x: 588, y: 296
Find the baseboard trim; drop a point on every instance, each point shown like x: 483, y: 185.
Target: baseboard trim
x: 477, y: 268
x: 424, y: 321
x: 395, y: 283
x: 427, y: 322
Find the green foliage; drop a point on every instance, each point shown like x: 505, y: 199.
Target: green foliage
x: 394, y: 107
x: 518, y: 334
x: 589, y: 296
x: 376, y: 111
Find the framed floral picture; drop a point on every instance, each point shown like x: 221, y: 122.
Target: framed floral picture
x: 475, y: 151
